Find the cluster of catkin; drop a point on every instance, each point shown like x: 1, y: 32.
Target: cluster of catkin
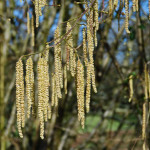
x: 59, y: 78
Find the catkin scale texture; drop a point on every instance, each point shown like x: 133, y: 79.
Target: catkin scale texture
x: 127, y: 16
x: 20, y: 97
x: 80, y: 92
x: 57, y: 63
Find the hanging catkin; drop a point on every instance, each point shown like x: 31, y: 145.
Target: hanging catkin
x: 110, y: 7
x: 40, y: 7
x: 127, y: 16
x: 84, y: 46
x: 37, y: 12
x: 115, y: 3
x: 91, y: 49
x: 96, y: 22
x: 144, y: 121
x: 57, y: 61
x: 146, y: 82
x: 93, y: 78
x: 134, y: 5
x: 137, y: 5
x: 80, y: 92
x: 69, y: 47
x: 41, y: 96
x: 32, y: 30
x: 53, y: 90
x: 131, y: 87
x: 88, y: 87
x: 65, y: 78
x: 30, y: 87
x: 20, y: 97
x: 43, y: 93
x: 28, y: 23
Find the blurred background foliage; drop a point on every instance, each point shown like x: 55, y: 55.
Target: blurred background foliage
x: 113, y: 123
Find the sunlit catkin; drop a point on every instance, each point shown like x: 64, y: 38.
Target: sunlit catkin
x: 69, y: 45
x: 96, y: 22
x: 91, y: 49
x: 57, y: 62
x: 53, y: 90
x: 41, y: 96
x: 137, y: 5
x: 144, y: 121
x: 37, y: 12
x: 115, y: 3
x: 30, y: 87
x: 127, y: 16
x: 84, y: 46
x: 28, y: 23
x: 134, y: 5
x: 131, y: 87
x: 110, y: 7
x: 146, y: 82
x: 80, y: 92
x: 32, y: 31
x: 20, y: 97
x: 93, y: 78
x: 88, y: 87
x: 65, y: 79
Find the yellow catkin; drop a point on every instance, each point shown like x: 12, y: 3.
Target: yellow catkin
x: 145, y: 102
x: 146, y: 82
x: 28, y: 23
x: 134, y: 5
x: 30, y: 87
x: 20, y: 97
x: 37, y: 12
x: 96, y: 15
x: 80, y: 92
x: 88, y: 87
x: 54, y: 98
x: 115, y: 3
x: 65, y: 78
x: 46, y: 88
x: 137, y: 5
x: 110, y: 7
x: 49, y: 112
x: 95, y: 37
x: 91, y: 49
x: 40, y: 7
x: 40, y: 96
x: 149, y: 84
x: 96, y: 23
x: 67, y: 45
x: 84, y: 46
x: 57, y: 63
x: 72, y: 58
x: 53, y: 90
x: 43, y: 93
x: 144, y: 121
x: 32, y: 30
x: 131, y: 87
x: 127, y: 16
x: 93, y: 78
x: 22, y: 93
